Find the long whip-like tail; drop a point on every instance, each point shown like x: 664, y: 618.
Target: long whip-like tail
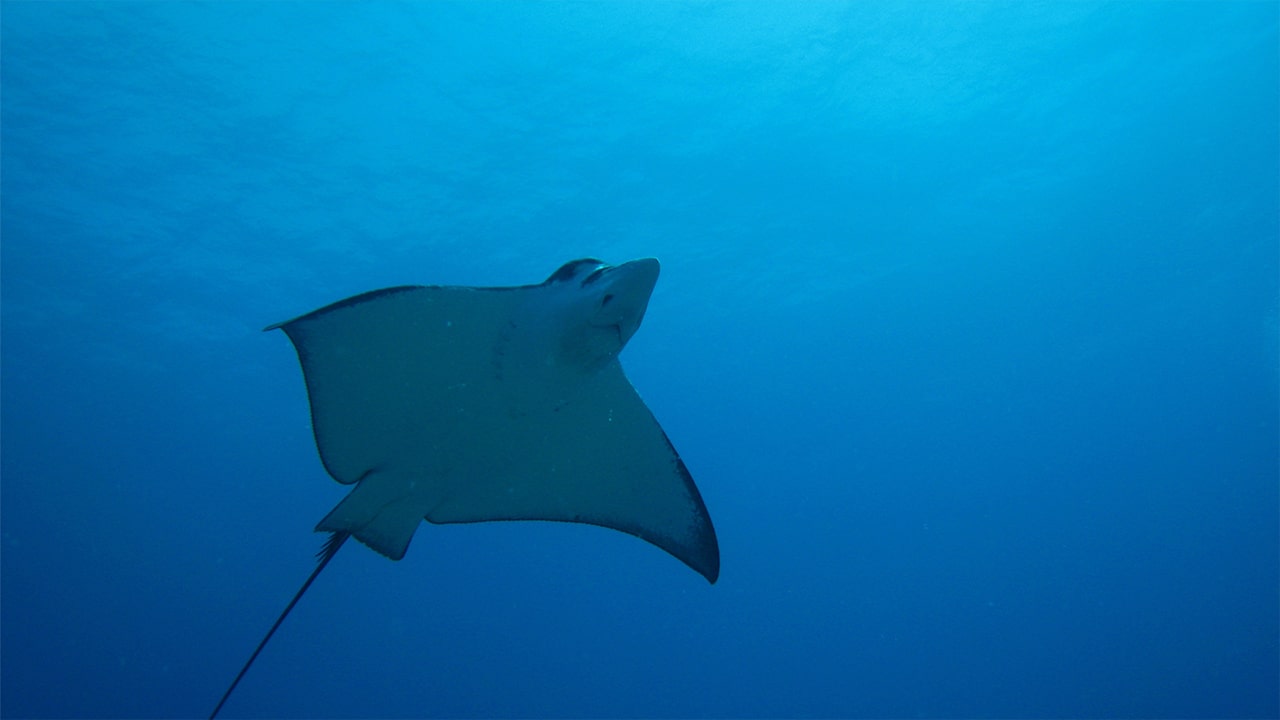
x: 324, y: 556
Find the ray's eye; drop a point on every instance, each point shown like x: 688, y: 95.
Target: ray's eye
x: 595, y: 275
x: 571, y: 269
x: 606, y: 299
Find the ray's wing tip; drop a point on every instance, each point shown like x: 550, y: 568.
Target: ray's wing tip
x: 712, y: 574
x: 703, y: 557
x: 711, y: 566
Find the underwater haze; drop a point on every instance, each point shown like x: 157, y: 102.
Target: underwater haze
x: 968, y: 330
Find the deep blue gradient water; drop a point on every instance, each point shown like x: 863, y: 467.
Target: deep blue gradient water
x: 967, y: 329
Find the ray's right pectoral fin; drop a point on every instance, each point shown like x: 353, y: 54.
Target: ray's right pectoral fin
x: 378, y: 513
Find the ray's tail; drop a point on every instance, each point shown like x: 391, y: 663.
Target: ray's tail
x: 323, y: 557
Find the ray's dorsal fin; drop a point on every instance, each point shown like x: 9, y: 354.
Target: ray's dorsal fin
x: 331, y: 547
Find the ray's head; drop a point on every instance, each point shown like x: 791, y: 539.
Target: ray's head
x: 601, y: 305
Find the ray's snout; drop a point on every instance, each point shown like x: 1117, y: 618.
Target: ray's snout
x: 623, y: 295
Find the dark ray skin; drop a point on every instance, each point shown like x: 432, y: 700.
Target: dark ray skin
x: 461, y: 404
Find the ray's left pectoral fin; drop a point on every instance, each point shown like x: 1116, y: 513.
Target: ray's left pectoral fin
x: 601, y: 459
x: 691, y: 538
x: 650, y: 492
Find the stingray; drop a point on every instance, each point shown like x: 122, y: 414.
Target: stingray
x: 465, y: 404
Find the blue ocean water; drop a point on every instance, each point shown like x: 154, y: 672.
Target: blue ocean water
x: 968, y: 330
